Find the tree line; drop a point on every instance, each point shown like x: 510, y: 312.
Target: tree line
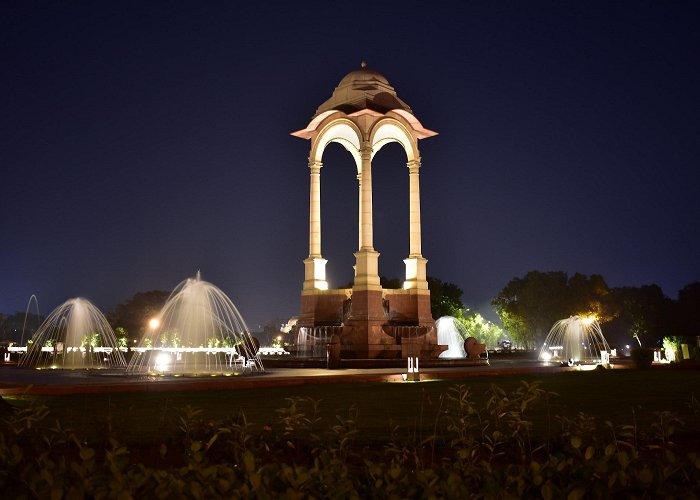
x: 527, y: 306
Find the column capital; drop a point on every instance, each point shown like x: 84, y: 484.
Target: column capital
x: 315, y: 166
x: 366, y: 150
x: 414, y: 165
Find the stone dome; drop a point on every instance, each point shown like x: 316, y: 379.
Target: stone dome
x: 363, y: 89
x: 363, y: 76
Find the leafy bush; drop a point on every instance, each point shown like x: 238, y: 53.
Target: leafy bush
x: 488, y: 450
x: 642, y: 357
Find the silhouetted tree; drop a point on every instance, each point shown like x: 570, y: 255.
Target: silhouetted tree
x: 390, y: 283
x: 133, y: 315
x: 643, y: 313
x: 590, y: 295
x: 445, y: 298
x: 689, y: 310
x: 11, y: 326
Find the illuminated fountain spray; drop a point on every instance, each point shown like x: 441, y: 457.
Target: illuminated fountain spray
x: 75, y: 335
x: 198, y: 332
x: 576, y: 340
x: 451, y: 333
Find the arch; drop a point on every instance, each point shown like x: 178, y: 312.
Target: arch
x: 390, y: 203
x: 344, y: 132
x: 389, y: 130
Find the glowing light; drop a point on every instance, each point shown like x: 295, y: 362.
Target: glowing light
x: 411, y: 273
x: 162, y: 362
x: 545, y: 356
x: 588, y: 320
x: 153, y: 323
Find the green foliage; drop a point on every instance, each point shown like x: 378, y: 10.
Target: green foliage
x: 170, y: 338
x: 483, y: 330
x: 122, y: 336
x: 529, y: 306
x: 92, y: 340
x: 445, y: 298
x: 488, y: 450
x: 672, y: 348
x: 642, y: 357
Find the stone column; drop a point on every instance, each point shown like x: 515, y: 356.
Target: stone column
x: 315, y: 265
x: 359, y: 210
x: 366, y: 236
x: 366, y: 259
x: 315, y: 209
x: 415, y: 263
x: 414, y: 209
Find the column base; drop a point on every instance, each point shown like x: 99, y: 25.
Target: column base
x: 315, y: 273
x: 415, y: 273
x: 367, y: 270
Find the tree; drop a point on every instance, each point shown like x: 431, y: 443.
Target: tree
x: 529, y: 306
x: 130, y: 318
x: 689, y: 310
x: 19, y: 327
x: 643, y: 313
x: 588, y: 296
x: 445, y: 298
x: 481, y: 329
x: 390, y: 283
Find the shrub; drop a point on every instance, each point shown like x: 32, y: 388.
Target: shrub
x: 489, y: 451
x: 695, y: 353
x: 642, y: 357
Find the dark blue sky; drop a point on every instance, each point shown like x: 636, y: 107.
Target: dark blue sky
x: 144, y: 141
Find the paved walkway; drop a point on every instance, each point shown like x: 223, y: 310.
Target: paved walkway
x: 15, y: 380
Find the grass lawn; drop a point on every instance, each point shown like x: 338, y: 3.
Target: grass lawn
x: 620, y: 396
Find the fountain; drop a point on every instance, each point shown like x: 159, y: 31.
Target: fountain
x: 576, y: 340
x: 451, y: 332
x: 198, y: 332
x: 311, y: 342
x: 26, y: 314
x: 75, y: 335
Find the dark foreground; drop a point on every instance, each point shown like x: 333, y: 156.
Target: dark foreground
x: 614, y: 433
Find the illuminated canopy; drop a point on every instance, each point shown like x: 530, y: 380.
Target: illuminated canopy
x: 363, y: 115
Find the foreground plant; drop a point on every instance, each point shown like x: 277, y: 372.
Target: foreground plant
x: 487, y: 451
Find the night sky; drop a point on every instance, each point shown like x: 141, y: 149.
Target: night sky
x: 141, y: 142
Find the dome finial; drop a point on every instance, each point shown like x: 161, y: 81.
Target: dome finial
x: 363, y: 64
